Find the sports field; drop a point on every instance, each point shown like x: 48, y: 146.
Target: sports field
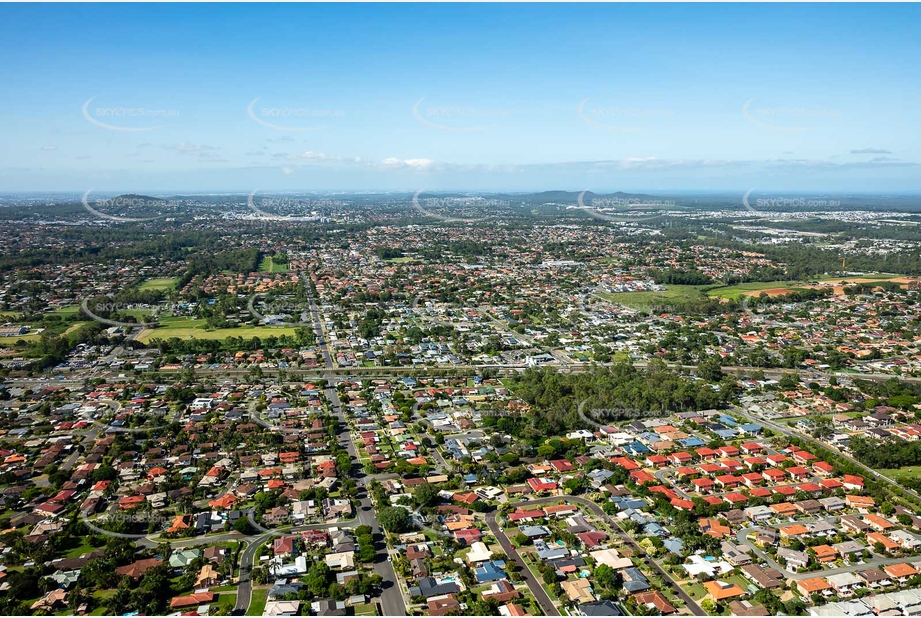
x: 37, y: 336
x: 158, y: 284
x: 268, y: 265
x: 194, y: 328
x: 772, y: 288
x: 644, y: 300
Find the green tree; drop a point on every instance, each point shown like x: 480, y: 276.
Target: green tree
x: 394, y: 519
x: 425, y: 494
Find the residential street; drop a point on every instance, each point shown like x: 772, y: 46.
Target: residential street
x: 597, y: 510
x: 535, y: 586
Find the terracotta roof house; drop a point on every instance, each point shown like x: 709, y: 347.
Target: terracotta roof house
x: 655, y: 599
x: 198, y: 598
x: 720, y: 591
x: 137, y: 568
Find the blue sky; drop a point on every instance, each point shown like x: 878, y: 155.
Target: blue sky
x: 474, y: 96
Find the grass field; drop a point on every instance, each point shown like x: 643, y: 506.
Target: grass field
x: 194, y: 328
x: 268, y: 265
x: 82, y: 548
x: 37, y: 336
x: 257, y: 602
x: 12, y: 340
x: 753, y: 289
x: 870, y: 277
x: 907, y: 471
x: 158, y: 284
x: 139, y: 314
x: 365, y: 609
x: 227, y: 601
x: 644, y: 300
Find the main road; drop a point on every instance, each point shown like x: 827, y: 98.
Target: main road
x: 506, y: 369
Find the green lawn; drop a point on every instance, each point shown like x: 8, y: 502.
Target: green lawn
x: 12, y: 340
x: 82, y: 548
x: 37, y: 336
x: 268, y: 265
x: 644, y: 300
x: 696, y: 591
x: 229, y: 600
x: 159, y: 284
x: 869, y: 277
x: 194, y: 328
x: 906, y: 471
x: 70, y: 310
x: 735, y: 291
x: 138, y: 314
x: 365, y: 609
x: 100, y: 596
x: 257, y: 602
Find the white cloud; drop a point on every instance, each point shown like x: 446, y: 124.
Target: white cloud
x: 184, y: 147
x: 415, y: 164
x: 310, y: 155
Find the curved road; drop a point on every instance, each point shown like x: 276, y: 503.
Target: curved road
x: 245, y: 584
